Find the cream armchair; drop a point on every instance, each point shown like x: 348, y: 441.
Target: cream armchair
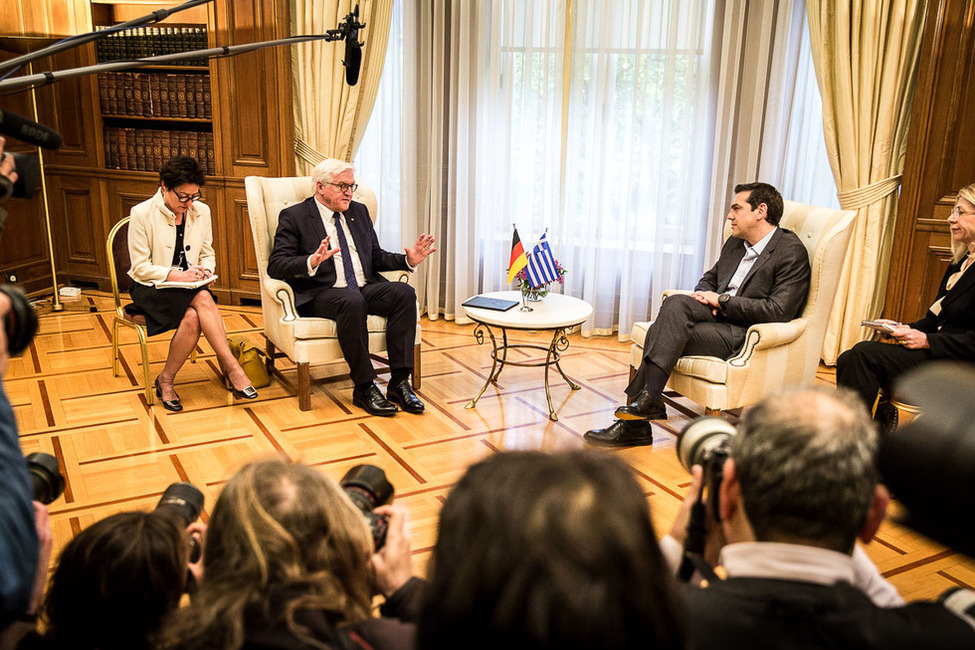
x: 774, y: 354
x: 305, y: 341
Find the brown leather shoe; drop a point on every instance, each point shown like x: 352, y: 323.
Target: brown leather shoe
x: 643, y: 407
x: 621, y: 434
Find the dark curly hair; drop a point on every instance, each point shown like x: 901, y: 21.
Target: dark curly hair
x: 180, y: 171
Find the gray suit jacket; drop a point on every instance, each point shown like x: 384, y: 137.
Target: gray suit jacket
x: 775, y: 288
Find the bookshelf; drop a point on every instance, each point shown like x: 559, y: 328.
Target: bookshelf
x: 234, y: 115
x: 154, y: 113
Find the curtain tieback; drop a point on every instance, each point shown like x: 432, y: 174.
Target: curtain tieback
x: 308, y: 153
x: 861, y: 197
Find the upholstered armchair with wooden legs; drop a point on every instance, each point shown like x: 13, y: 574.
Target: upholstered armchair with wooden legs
x: 305, y: 341
x: 775, y: 355
x: 127, y: 315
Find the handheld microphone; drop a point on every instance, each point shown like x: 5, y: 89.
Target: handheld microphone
x: 29, y: 131
x: 353, y: 48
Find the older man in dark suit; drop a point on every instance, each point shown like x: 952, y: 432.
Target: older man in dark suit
x: 761, y: 276
x: 327, y: 250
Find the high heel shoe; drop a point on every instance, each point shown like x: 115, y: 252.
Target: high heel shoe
x: 174, y: 405
x: 248, y: 392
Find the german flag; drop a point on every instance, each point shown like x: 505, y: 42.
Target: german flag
x: 518, y: 257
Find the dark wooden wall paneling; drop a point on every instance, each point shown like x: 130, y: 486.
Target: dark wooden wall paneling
x: 253, y: 133
x: 939, y: 158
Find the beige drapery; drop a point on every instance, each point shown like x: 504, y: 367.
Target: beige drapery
x: 865, y: 53
x: 330, y: 116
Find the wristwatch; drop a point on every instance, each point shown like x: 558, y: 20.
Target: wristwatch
x: 723, y: 301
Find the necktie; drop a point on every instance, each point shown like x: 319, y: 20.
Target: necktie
x: 346, y: 254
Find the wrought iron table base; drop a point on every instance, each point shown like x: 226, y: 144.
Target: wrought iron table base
x: 559, y: 344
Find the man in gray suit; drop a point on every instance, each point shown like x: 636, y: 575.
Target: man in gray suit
x: 761, y: 276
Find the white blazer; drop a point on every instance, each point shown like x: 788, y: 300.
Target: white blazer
x: 152, y: 237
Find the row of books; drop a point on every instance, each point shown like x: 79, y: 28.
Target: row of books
x: 151, y: 41
x: 141, y: 94
x: 146, y: 150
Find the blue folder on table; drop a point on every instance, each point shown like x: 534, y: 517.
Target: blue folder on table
x: 483, y: 302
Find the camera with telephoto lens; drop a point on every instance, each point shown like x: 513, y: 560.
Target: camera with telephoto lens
x: 368, y: 488
x: 185, y: 501
x: 706, y: 441
x: 47, y: 482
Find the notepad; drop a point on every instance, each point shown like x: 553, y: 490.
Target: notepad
x: 168, y: 284
x: 483, y: 302
x: 880, y: 327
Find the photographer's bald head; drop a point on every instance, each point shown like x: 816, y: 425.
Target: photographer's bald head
x: 803, y: 471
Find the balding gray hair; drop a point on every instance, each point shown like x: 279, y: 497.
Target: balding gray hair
x: 807, y: 464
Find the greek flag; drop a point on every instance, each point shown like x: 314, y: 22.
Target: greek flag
x: 541, y: 264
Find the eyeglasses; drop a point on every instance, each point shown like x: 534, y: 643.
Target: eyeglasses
x: 345, y: 187
x: 186, y: 198
x: 957, y: 212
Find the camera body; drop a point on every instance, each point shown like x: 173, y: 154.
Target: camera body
x: 706, y: 441
x: 20, y: 323
x: 368, y: 488
x: 47, y: 482
x: 185, y: 501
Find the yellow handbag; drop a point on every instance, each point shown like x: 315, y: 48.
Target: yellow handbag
x: 252, y: 359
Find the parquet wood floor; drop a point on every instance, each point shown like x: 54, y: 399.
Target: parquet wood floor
x: 118, y: 453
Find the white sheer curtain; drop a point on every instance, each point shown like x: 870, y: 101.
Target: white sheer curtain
x: 597, y: 124
x: 377, y: 160
x: 800, y: 157
x: 634, y: 209
x: 588, y: 124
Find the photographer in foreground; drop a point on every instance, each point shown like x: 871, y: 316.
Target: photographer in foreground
x: 289, y: 563
x: 25, y: 535
x: 116, y: 581
x: 799, y: 488
x: 549, y: 551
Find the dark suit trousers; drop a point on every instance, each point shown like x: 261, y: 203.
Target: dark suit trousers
x: 348, y: 308
x: 684, y: 326
x: 871, y: 365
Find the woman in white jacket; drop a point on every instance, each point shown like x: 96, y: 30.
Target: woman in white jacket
x: 170, y: 240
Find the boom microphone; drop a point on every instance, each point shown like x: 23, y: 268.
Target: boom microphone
x: 31, y: 132
x: 353, y: 48
x: 353, y: 58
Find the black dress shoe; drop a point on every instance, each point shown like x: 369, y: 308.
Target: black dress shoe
x: 172, y: 405
x: 371, y: 401
x: 402, y: 393
x: 621, y: 434
x: 643, y: 407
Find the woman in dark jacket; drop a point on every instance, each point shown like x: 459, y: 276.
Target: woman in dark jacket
x: 947, y: 330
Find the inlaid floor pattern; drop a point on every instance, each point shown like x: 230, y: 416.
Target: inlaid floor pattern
x: 118, y: 453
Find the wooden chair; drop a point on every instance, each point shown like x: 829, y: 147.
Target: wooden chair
x: 305, y: 340
x: 128, y: 315
x: 775, y: 355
